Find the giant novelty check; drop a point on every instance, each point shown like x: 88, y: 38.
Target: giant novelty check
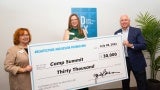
x: 75, y: 64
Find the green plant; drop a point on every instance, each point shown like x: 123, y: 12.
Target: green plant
x: 150, y: 27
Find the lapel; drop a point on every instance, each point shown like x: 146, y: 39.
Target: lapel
x: 130, y: 34
x: 22, y: 50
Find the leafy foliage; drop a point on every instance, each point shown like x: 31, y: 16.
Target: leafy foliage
x: 150, y: 27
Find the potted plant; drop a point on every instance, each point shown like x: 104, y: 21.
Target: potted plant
x: 150, y: 27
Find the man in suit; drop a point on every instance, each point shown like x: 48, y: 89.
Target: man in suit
x: 134, y: 43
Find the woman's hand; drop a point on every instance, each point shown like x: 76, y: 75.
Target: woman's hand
x: 28, y: 68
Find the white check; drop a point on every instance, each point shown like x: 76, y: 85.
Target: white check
x: 67, y: 65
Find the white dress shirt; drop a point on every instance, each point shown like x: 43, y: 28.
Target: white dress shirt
x: 125, y: 37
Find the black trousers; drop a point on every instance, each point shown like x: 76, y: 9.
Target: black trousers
x: 140, y: 77
x: 84, y: 89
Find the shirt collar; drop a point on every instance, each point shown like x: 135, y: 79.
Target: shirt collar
x: 127, y: 30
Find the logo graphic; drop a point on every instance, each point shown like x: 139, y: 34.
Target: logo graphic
x: 88, y: 17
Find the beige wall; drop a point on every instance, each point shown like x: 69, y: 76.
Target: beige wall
x: 47, y: 20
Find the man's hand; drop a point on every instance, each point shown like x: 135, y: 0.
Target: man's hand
x: 126, y: 43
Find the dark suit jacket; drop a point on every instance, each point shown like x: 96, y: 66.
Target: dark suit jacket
x: 136, y: 58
